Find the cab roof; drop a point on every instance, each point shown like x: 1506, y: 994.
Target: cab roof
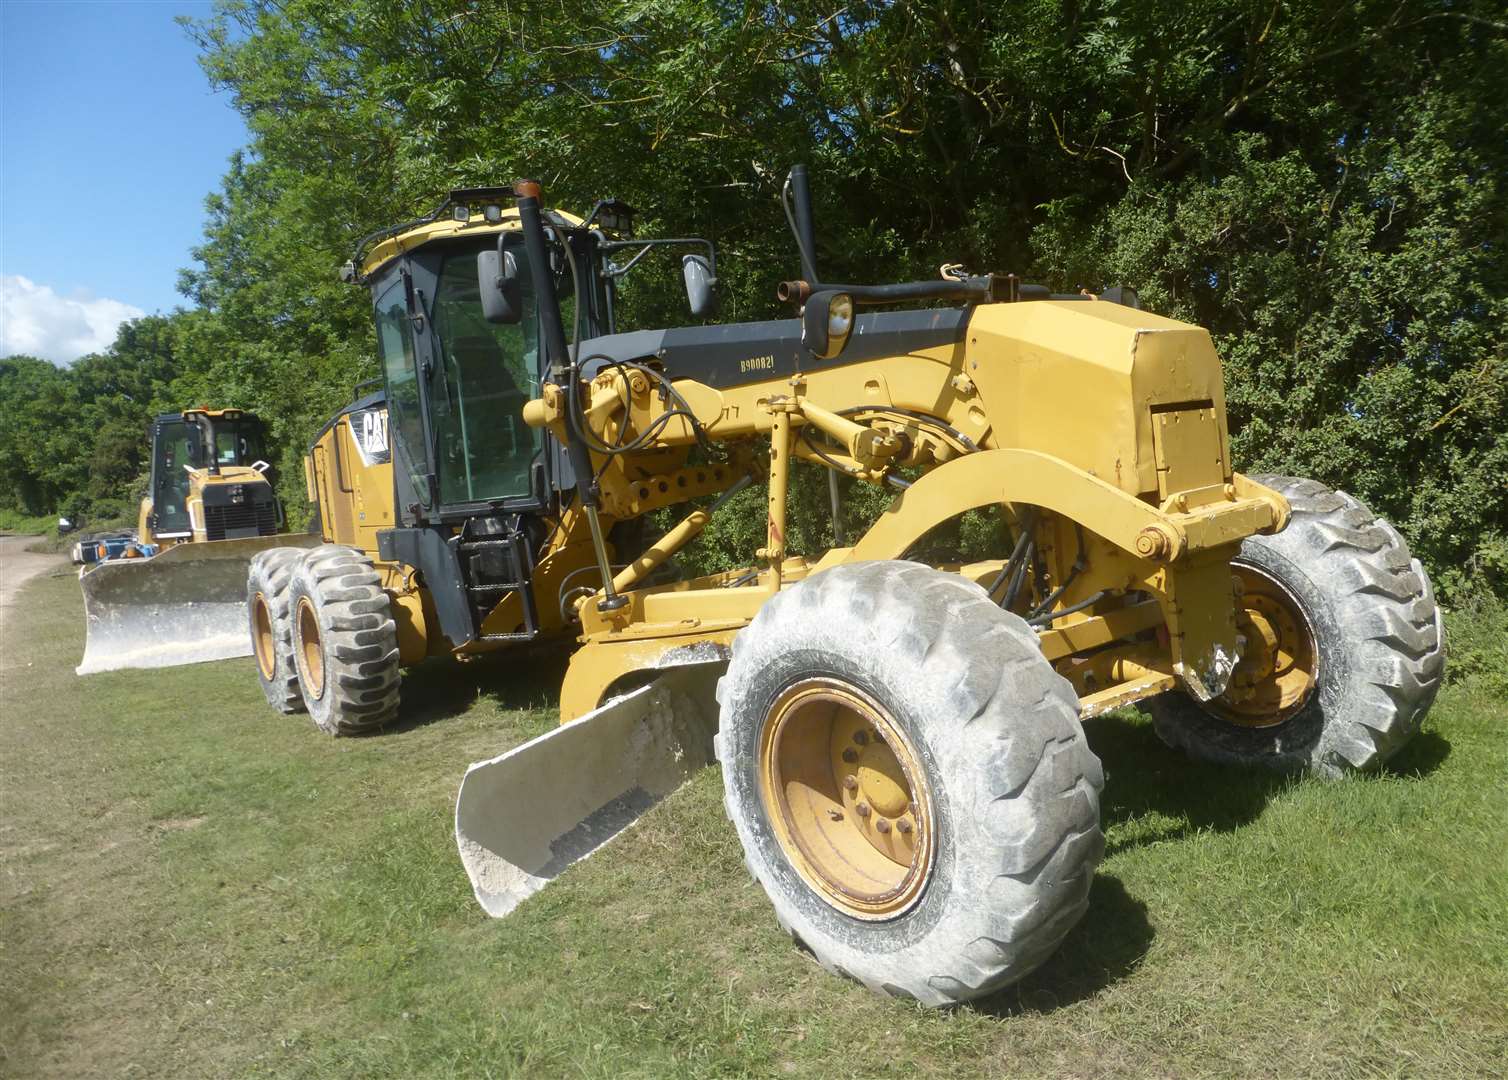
x: 214, y: 414
x: 405, y: 238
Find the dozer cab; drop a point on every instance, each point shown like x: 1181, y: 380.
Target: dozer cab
x: 209, y: 480
x: 174, y: 593
x: 899, y: 731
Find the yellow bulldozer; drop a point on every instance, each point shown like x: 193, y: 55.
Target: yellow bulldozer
x: 174, y: 593
x: 899, y: 731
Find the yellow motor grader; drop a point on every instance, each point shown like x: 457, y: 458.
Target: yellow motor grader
x: 173, y: 593
x: 900, y: 736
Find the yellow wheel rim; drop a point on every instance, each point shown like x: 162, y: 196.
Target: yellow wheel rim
x: 847, y: 797
x: 1280, y: 664
x: 261, y: 636
x: 311, y: 648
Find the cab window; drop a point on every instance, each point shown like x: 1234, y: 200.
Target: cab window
x: 484, y: 374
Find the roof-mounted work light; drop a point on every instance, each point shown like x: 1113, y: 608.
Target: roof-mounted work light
x: 612, y: 216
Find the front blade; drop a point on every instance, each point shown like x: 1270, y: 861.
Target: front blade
x: 525, y: 816
x: 184, y: 605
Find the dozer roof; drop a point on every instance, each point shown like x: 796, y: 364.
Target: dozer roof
x: 445, y: 228
x: 215, y: 414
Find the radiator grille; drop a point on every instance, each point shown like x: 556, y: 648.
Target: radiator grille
x: 246, y: 519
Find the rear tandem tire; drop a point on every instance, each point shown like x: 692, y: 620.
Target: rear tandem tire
x: 1376, y: 645
x: 345, y: 642
x: 269, y: 614
x: 888, y: 707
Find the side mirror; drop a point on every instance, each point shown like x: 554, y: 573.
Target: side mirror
x: 498, y: 281
x: 701, y: 285
x: 826, y: 322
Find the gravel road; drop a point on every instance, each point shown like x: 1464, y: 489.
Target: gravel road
x: 17, y: 566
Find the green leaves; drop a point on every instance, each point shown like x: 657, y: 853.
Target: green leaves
x: 1321, y: 186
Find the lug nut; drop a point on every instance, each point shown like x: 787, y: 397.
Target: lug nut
x: 850, y: 755
x: 861, y: 737
x: 862, y: 809
x: 882, y: 825
x: 850, y: 783
x: 904, y: 826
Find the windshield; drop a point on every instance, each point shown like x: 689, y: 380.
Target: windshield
x: 485, y: 374
x: 238, y: 442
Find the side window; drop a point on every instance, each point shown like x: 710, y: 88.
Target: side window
x: 402, y: 375
x: 171, y: 480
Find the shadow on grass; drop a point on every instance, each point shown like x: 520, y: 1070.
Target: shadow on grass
x: 1106, y: 946
x: 1422, y: 755
x: 443, y: 687
x: 1144, y: 778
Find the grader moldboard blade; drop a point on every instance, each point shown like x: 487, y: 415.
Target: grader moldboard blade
x: 526, y: 815
x: 184, y: 605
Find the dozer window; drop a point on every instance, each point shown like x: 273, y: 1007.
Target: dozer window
x: 238, y: 444
x: 170, y: 480
x: 484, y: 375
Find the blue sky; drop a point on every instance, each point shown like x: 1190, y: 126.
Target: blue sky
x: 110, y: 138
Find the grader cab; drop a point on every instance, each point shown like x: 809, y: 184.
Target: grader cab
x: 900, y: 734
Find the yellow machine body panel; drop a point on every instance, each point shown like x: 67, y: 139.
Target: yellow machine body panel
x: 348, y: 474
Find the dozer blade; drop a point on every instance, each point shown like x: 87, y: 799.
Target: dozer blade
x: 184, y: 605
x: 525, y: 816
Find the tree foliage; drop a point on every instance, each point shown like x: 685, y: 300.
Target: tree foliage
x: 1319, y: 184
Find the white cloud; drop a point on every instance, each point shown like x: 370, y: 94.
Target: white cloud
x: 37, y: 321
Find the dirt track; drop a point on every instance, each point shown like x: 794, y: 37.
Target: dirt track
x: 17, y: 566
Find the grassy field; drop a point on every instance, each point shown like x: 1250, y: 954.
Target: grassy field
x: 193, y: 886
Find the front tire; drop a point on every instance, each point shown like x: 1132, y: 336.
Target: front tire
x: 345, y: 642
x: 267, y: 608
x: 890, y: 694
x: 1336, y: 593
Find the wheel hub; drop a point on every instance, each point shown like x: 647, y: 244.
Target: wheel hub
x: 311, y: 650
x: 1279, y: 667
x: 262, y: 639
x: 846, y: 794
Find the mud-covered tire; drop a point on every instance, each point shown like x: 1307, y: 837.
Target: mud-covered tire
x: 345, y: 642
x: 1014, y: 787
x: 1378, y: 634
x: 271, y: 626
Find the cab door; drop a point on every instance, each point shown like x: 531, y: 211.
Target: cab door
x: 407, y: 427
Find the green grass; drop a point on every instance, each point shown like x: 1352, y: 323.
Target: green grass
x: 194, y: 886
x: 45, y: 529
x: 13, y: 521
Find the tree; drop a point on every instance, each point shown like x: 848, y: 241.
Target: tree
x: 1321, y: 185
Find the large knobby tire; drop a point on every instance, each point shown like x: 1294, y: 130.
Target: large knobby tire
x: 1341, y: 577
x: 888, y: 691
x: 345, y: 641
x: 269, y: 615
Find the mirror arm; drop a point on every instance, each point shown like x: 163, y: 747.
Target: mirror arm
x: 615, y: 271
